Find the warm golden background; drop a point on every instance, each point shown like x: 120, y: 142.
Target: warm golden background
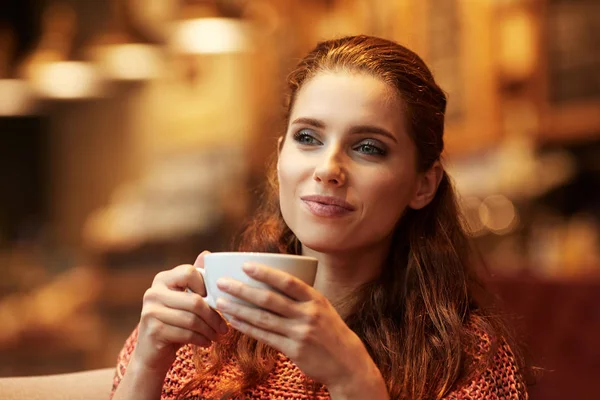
x: 135, y: 133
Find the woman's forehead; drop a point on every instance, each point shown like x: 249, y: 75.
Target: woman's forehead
x: 343, y: 96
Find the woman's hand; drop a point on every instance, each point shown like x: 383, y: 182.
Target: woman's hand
x: 172, y: 317
x: 306, y: 328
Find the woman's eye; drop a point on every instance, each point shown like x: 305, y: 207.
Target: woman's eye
x: 370, y: 149
x: 305, y: 137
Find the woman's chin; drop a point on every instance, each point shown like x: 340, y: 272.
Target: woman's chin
x: 333, y: 245
x: 322, y: 238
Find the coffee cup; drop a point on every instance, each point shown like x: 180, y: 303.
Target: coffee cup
x: 229, y: 265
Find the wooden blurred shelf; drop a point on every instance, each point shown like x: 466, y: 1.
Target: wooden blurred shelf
x: 567, y: 81
x: 570, y: 122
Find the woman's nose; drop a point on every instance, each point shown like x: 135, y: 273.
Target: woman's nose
x: 330, y: 170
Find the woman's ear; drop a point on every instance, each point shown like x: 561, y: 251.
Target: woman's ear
x: 427, y: 185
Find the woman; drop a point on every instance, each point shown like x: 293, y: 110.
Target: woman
x: 394, y: 311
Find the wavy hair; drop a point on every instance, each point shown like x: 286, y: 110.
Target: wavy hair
x: 427, y: 307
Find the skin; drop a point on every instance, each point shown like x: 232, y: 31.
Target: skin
x: 346, y: 138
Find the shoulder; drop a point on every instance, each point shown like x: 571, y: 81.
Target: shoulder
x: 497, y: 373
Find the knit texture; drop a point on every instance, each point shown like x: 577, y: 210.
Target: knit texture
x: 501, y: 380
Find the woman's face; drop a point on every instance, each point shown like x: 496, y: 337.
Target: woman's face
x: 347, y: 166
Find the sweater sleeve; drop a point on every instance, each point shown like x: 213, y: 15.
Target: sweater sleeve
x: 502, y: 380
x: 182, y: 370
x: 123, y: 360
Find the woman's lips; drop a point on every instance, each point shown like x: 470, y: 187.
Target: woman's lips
x: 327, y: 206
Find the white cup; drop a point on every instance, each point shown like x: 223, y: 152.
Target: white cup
x: 229, y: 264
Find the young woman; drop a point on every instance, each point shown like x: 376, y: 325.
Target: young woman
x: 395, y: 311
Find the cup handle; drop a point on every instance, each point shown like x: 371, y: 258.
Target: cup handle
x: 208, y: 298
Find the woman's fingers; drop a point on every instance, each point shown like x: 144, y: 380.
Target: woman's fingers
x: 282, y: 281
x: 200, y: 259
x: 181, y: 319
x: 259, y: 318
x: 196, y: 304
x: 263, y: 298
x: 272, y: 339
x: 187, y: 301
x: 181, y: 278
x: 174, y: 334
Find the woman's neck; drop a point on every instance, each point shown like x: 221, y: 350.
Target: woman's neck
x: 339, y: 274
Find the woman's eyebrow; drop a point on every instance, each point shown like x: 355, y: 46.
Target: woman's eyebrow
x: 309, y: 121
x: 361, y: 129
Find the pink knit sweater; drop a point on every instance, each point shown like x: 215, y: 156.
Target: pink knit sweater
x: 501, y: 381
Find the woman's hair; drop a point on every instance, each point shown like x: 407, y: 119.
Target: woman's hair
x: 423, y: 318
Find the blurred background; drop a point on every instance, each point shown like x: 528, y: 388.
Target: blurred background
x: 135, y: 133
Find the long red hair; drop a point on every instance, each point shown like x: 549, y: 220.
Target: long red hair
x: 426, y: 308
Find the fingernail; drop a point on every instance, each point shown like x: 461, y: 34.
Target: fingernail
x: 248, y: 267
x: 223, y: 283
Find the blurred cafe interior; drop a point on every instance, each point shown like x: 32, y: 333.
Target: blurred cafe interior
x: 136, y: 133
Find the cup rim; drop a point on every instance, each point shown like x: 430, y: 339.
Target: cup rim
x: 227, y: 254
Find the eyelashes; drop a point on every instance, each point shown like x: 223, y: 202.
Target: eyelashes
x: 306, y: 137
x: 368, y: 147
x: 371, y: 148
